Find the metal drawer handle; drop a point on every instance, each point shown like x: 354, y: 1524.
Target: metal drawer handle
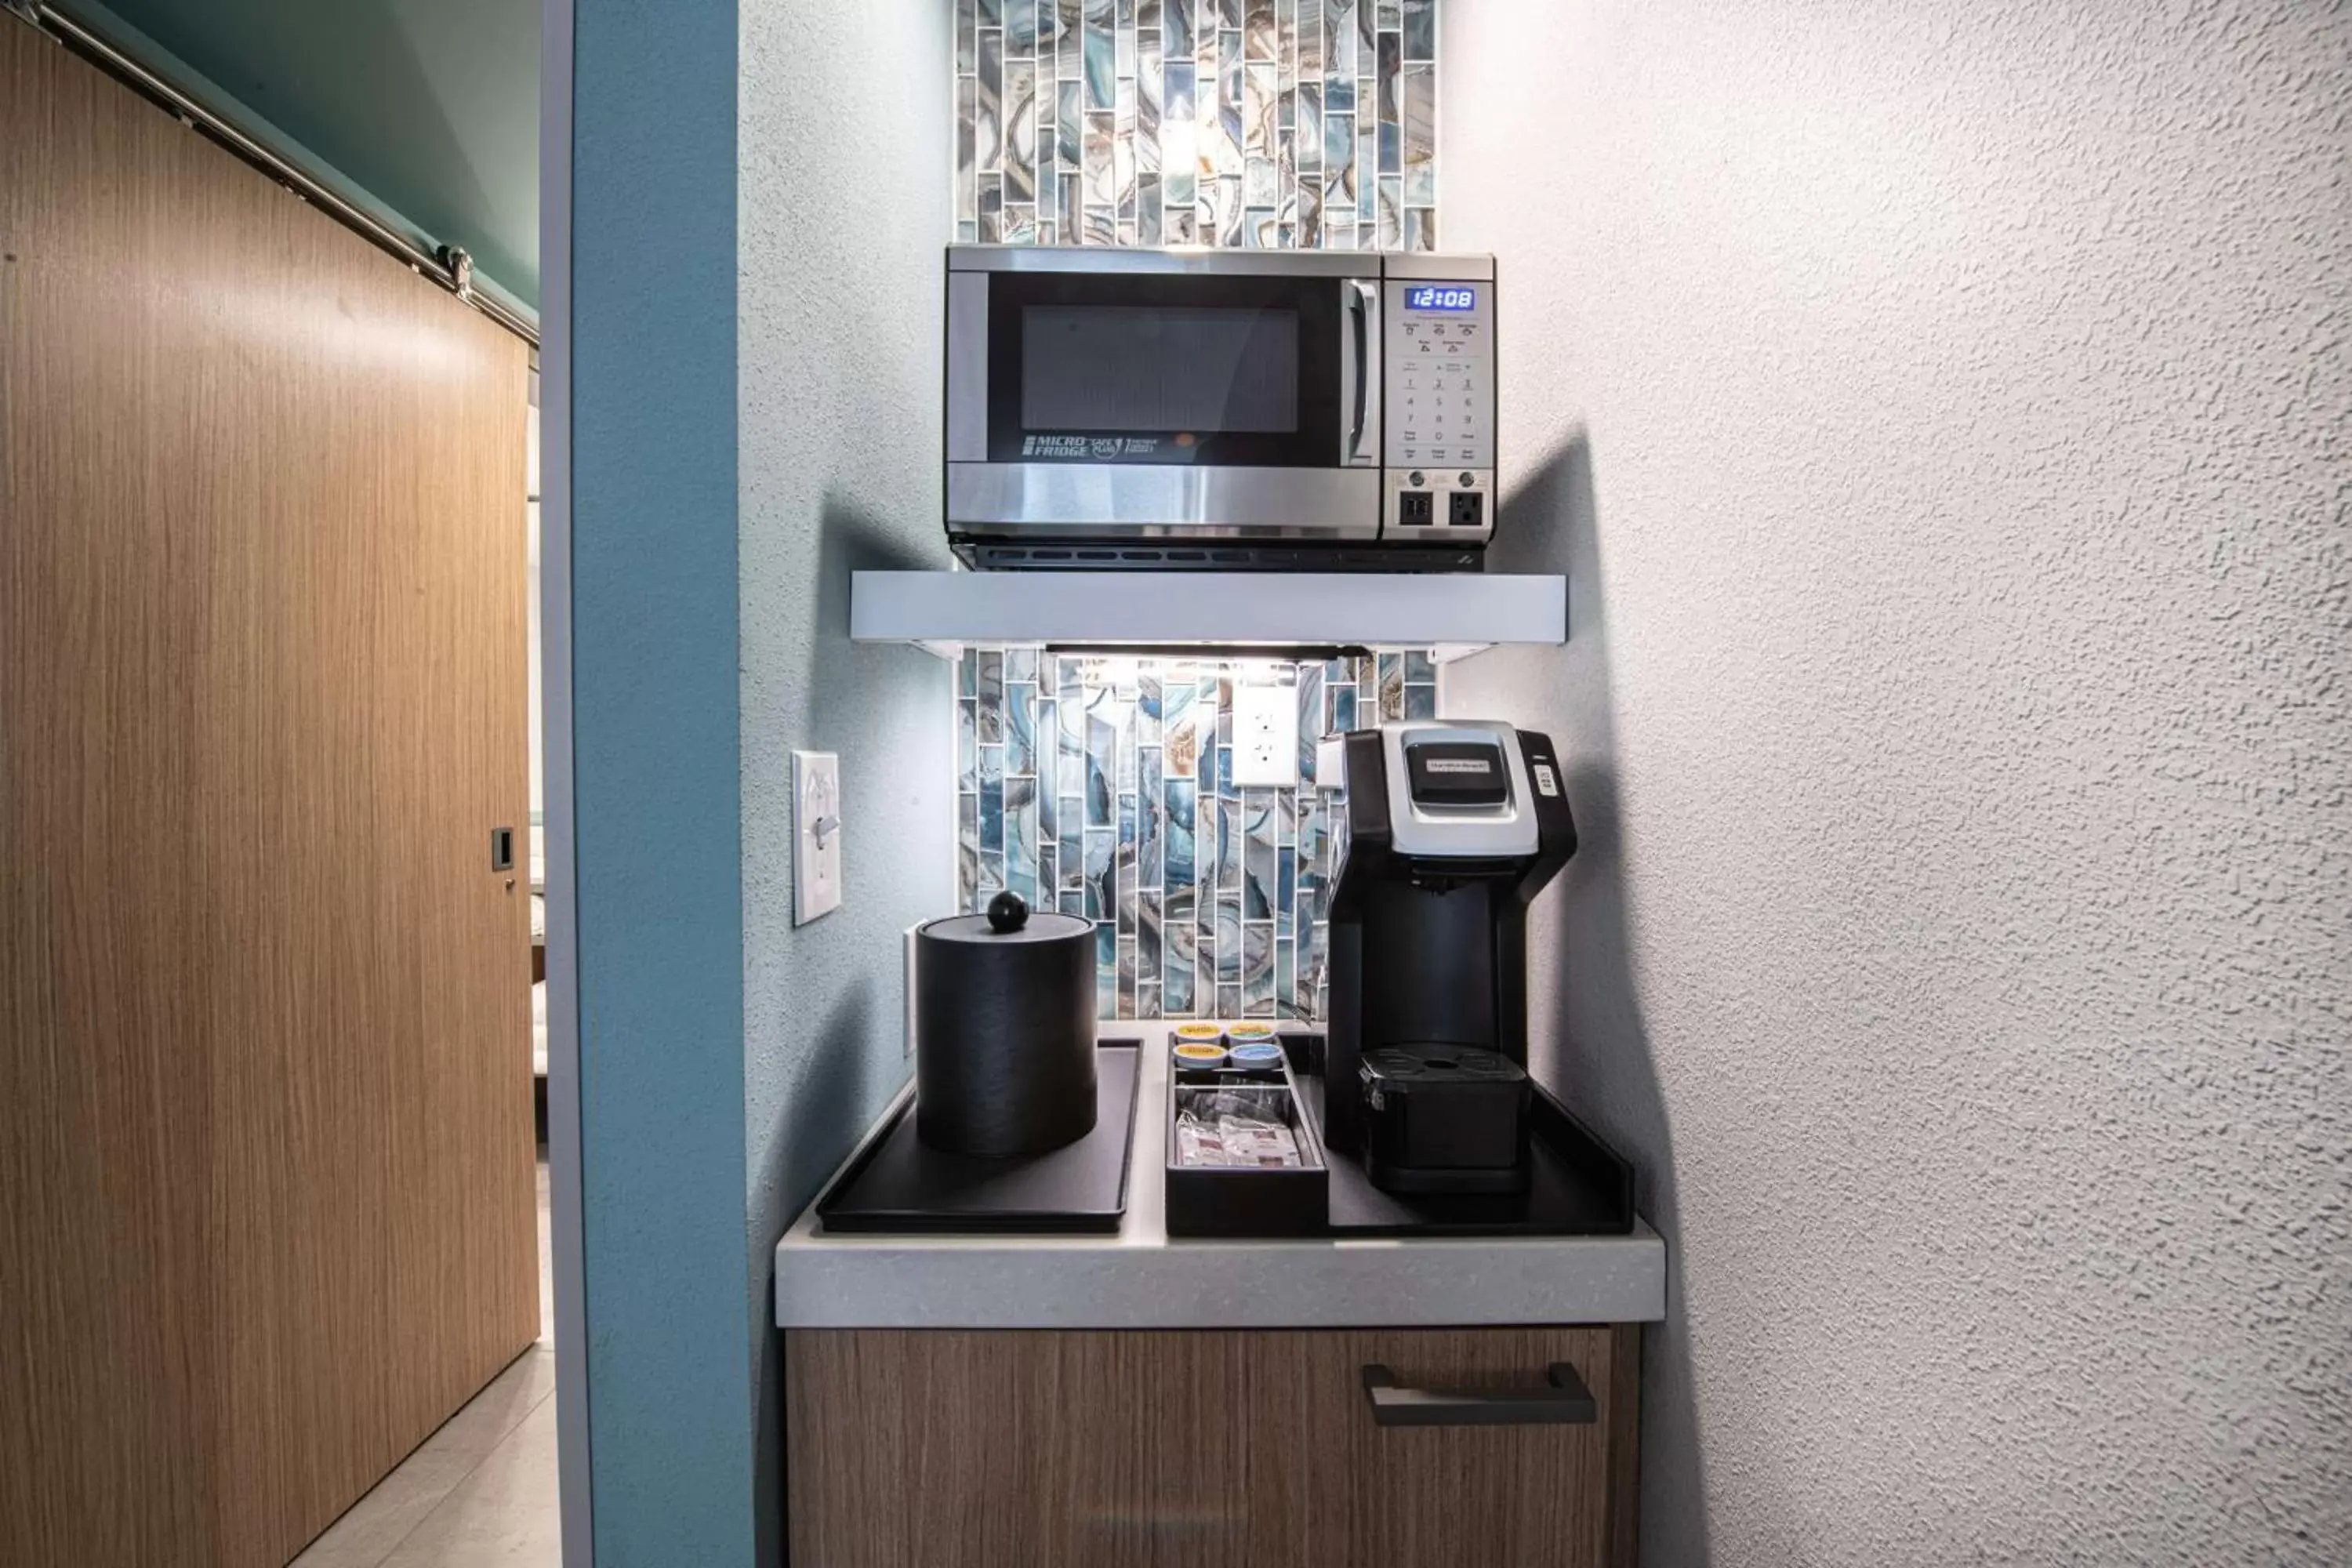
x: 1562, y: 1401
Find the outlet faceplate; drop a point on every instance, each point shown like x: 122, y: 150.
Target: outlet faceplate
x: 816, y: 835
x: 1265, y: 735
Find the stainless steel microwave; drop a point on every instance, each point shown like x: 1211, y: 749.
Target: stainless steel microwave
x: 1233, y: 408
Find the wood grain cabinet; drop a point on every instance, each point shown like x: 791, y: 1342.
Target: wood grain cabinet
x: 1236, y: 1449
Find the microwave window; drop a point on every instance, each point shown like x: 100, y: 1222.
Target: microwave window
x: 1159, y: 368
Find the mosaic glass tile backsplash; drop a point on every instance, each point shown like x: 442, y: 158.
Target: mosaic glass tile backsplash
x: 1103, y: 787
x: 1276, y: 124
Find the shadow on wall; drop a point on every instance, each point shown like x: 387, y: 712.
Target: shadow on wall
x: 845, y: 1079
x: 1595, y: 1053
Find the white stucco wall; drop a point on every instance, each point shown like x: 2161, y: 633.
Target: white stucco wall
x: 1946, y: 413
x: 842, y: 190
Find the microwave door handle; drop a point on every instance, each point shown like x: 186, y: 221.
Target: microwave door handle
x: 1360, y: 381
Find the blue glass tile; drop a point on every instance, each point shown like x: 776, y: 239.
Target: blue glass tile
x: 1419, y: 666
x: 1020, y: 729
x: 1101, y: 742
x: 1147, y: 933
x: 1391, y: 679
x: 992, y: 876
x: 1421, y: 702
x: 1287, y: 886
x: 1149, y: 805
x: 1070, y: 762
x: 1181, y: 944
x: 1310, y: 721
x: 1229, y: 847
x: 1020, y: 664
x: 1179, y: 860
x: 992, y: 697
x: 967, y: 744
x: 1146, y: 1000
x: 1180, y: 743
x: 1049, y: 880
x: 1105, y: 971
x: 1126, y: 976
x: 1310, y: 965
x: 1127, y: 888
x: 1229, y: 1000
x: 1258, y: 970
x: 968, y: 851
x: 1343, y: 710
x: 1101, y: 885
x: 1070, y: 866
x: 1286, y: 979
x: 1130, y: 754
x: 1259, y: 870
x: 1020, y: 837
x: 991, y: 799
x: 1176, y: 26
x: 1049, y: 753
x: 1146, y: 706
x: 1101, y: 54
x: 1229, y: 938
x: 1225, y: 772
x: 1421, y: 29
x: 968, y: 673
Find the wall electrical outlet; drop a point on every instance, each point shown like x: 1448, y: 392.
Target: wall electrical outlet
x: 1265, y: 735
x: 816, y: 835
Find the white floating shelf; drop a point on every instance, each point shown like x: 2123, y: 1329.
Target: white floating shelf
x: 1456, y: 613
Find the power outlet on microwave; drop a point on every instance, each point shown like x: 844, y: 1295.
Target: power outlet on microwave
x: 1265, y: 735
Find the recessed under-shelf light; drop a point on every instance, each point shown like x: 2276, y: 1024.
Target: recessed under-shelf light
x: 1280, y: 652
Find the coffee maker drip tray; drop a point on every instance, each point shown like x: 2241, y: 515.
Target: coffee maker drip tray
x: 1569, y: 1184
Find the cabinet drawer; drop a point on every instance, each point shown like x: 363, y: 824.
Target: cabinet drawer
x: 1258, y: 1449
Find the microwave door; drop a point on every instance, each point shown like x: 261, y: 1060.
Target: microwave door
x: 1126, y: 403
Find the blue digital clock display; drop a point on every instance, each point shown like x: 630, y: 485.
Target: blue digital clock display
x: 1441, y: 297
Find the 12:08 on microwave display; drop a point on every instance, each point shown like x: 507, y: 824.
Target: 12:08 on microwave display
x: 1441, y: 297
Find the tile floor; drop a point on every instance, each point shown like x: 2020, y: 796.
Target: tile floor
x: 481, y: 1490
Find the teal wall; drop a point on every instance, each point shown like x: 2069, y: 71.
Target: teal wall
x: 429, y: 107
x: 656, y: 786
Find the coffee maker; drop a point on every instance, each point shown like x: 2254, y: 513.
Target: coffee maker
x: 1454, y: 827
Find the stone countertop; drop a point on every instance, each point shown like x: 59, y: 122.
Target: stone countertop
x: 1141, y: 1278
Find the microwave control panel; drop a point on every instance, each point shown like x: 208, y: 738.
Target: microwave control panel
x: 1438, y: 405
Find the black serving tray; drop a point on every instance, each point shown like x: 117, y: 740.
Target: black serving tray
x: 1578, y: 1185
x: 899, y: 1186
x: 1204, y: 1200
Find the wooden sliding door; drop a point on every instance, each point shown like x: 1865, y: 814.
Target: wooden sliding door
x: 265, y: 1058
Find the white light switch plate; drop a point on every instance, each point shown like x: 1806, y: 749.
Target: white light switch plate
x: 1265, y: 735
x: 816, y: 835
